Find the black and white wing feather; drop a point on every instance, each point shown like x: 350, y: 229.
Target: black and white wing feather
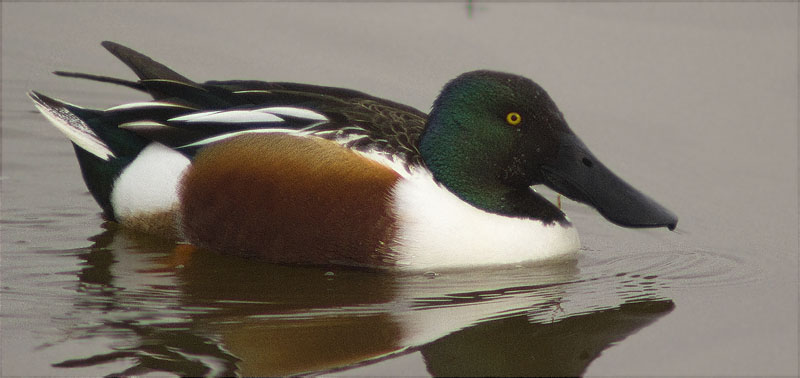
x: 185, y: 113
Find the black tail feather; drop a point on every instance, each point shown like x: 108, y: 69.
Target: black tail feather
x: 144, y: 67
x: 103, y: 79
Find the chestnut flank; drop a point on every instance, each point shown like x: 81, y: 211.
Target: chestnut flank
x: 288, y: 199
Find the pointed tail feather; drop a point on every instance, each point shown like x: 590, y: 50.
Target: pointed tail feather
x: 144, y: 67
x: 62, y: 116
x: 103, y: 79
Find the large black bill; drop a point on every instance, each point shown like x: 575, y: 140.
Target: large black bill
x: 577, y: 174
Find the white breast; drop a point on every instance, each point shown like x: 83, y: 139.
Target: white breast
x: 439, y: 230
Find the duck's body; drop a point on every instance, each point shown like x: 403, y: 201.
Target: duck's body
x: 295, y: 173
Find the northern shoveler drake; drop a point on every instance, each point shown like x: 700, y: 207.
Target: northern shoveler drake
x: 297, y: 173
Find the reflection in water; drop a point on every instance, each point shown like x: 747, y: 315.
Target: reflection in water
x: 517, y: 347
x: 205, y: 314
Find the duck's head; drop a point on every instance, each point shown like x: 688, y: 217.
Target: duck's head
x: 491, y: 135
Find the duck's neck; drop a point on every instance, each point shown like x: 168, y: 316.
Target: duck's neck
x: 471, y: 174
x: 502, y: 200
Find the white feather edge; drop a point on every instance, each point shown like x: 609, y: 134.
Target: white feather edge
x: 269, y: 114
x: 142, y: 125
x: 146, y: 105
x: 218, y: 138
x: 228, y: 116
x: 73, y: 127
x: 294, y: 112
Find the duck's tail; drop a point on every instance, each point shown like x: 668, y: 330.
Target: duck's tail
x: 147, y: 69
x: 144, y: 67
x: 72, y: 120
x: 103, y: 150
x: 103, y: 143
x: 156, y: 79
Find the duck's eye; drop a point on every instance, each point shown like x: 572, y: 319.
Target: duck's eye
x: 513, y: 118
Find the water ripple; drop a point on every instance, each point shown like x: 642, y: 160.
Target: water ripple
x: 678, y: 269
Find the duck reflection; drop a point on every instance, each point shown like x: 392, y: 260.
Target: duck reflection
x: 197, y: 313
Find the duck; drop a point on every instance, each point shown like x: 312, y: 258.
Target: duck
x: 293, y: 173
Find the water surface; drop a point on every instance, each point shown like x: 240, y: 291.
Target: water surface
x: 695, y: 104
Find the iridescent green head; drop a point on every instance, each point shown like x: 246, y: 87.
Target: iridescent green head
x: 492, y: 135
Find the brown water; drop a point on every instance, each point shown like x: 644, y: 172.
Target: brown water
x: 696, y: 104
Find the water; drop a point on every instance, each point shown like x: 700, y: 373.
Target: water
x: 696, y: 104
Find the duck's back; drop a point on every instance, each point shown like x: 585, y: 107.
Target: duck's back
x: 182, y: 110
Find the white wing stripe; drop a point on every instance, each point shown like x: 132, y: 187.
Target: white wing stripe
x: 237, y: 133
x: 189, y: 117
x: 231, y: 116
x: 145, y: 105
x: 294, y: 112
x: 141, y: 124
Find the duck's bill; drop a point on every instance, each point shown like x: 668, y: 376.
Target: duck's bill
x: 577, y: 174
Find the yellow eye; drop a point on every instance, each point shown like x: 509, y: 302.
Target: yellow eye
x: 513, y: 118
